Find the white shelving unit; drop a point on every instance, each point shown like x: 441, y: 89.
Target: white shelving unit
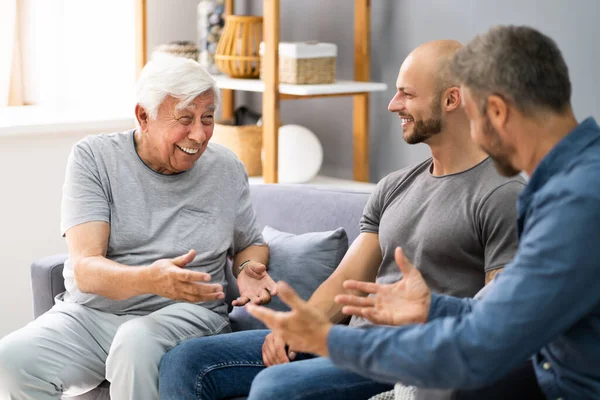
x: 337, y: 88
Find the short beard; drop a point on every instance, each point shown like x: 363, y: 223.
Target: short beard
x: 424, y: 129
x: 500, y: 153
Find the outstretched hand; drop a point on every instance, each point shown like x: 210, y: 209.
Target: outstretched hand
x: 304, y: 328
x: 404, y: 302
x: 255, y: 285
x: 169, y: 278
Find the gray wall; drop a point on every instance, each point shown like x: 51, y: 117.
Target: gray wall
x: 398, y: 26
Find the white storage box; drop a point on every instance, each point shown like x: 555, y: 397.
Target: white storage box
x: 305, y: 62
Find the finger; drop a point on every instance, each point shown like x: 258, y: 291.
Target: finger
x: 289, y: 296
x: 269, y: 317
x: 405, y: 266
x: 351, y: 310
x: 280, y: 353
x: 256, y: 270
x: 240, y: 301
x: 263, y: 298
x: 357, y: 301
x: 186, y: 275
x: 272, y: 286
x: 291, y: 355
x: 371, y: 314
x: 365, y: 287
x: 204, y: 287
x: 195, y: 298
x: 185, y: 259
x: 266, y: 355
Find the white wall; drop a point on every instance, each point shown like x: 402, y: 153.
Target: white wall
x: 33, y: 168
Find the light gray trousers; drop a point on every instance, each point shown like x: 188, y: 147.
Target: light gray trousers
x: 72, y: 348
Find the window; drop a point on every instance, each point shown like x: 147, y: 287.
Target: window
x: 73, y: 53
x: 10, y: 85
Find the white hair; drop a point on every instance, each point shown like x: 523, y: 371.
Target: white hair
x: 178, y: 77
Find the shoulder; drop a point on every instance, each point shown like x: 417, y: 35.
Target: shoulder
x: 579, y: 180
x: 222, y: 158
x: 492, y: 185
x: 397, y: 178
x: 93, y: 145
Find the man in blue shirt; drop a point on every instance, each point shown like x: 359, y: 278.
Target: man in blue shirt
x: 545, y: 305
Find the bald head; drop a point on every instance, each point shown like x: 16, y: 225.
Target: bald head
x: 428, y: 97
x: 432, y: 60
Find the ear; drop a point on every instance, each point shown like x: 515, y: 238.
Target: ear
x: 142, y: 116
x: 452, y: 99
x: 497, y: 112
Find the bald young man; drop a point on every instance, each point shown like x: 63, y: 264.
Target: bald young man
x: 452, y: 213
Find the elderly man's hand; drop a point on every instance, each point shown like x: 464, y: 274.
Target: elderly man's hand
x: 255, y: 285
x: 304, y: 328
x: 404, y: 302
x: 168, y: 278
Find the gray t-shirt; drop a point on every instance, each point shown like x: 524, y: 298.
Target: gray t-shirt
x: 454, y: 228
x: 154, y: 216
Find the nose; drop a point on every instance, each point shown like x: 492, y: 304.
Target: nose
x: 396, y: 104
x: 197, y: 133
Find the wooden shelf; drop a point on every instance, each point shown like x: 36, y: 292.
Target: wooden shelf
x: 337, y: 88
x: 272, y: 92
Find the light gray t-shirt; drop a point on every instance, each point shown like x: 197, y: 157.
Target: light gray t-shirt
x: 154, y: 216
x: 454, y: 228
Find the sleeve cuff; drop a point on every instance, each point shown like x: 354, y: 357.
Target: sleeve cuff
x: 447, y: 306
x: 343, y: 344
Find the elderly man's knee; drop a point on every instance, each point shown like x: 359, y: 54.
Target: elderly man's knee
x: 17, y: 364
x: 135, y: 344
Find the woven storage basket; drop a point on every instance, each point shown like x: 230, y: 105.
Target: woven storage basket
x: 305, y: 62
x: 244, y: 140
x: 237, y: 52
x: 179, y: 49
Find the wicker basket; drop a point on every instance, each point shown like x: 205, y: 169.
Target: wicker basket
x: 237, y: 53
x: 306, y: 63
x: 244, y: 140
x: 179, y: 49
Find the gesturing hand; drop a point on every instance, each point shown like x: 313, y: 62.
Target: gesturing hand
x: 255, y: 285
x: 168, y: 278
x: 304, y: 328
x: 404, y: 302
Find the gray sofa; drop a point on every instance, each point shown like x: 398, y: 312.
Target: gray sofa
x: 289, y: 208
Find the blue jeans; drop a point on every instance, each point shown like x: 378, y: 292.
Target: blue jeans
x: 230, y: 365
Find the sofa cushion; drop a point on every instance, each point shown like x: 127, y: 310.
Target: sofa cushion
x: 304, y: 261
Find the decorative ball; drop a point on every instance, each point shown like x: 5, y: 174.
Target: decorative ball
x: 300, y: 154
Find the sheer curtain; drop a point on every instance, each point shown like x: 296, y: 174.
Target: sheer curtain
x: 78, y: 53
x: 11, y: 83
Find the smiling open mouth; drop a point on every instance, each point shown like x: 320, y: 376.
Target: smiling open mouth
x: 406, y: 120
x: 187, y: 150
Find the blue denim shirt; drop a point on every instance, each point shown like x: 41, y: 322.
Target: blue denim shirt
x: 544, y: 305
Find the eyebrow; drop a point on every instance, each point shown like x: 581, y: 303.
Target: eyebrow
x: 405, y: 88
x: 210, y: 107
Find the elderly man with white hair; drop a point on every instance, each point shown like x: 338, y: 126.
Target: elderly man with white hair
x: 150, y: 216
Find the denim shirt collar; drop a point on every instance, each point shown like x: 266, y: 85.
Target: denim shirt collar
x: 564, y: 152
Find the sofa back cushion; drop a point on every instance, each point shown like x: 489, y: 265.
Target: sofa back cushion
x: 304, y: 261
x: 302, y: 209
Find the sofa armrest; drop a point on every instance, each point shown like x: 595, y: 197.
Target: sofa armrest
x: 46, y: 282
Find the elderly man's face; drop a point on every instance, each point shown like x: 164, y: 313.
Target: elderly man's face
x: 484, y: 134
x: 417, y: 102
x: 178, y: 137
